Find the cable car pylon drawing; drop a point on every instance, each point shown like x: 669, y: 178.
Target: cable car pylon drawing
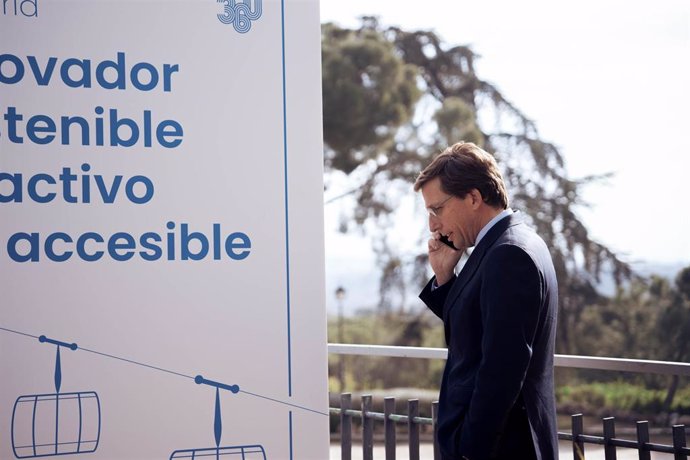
x: 242, y: 452
x: 45, y: 425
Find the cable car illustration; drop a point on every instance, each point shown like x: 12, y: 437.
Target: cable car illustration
x: 243, y: 452
x: 45, y: 425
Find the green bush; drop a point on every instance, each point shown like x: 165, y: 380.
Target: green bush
x: 606, y: 397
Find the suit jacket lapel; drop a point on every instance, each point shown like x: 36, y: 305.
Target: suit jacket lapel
x: 475, y: 259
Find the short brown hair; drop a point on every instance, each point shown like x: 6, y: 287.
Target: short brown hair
x: 463, y: 167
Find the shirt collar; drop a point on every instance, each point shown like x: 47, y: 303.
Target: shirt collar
x: 491, y: 223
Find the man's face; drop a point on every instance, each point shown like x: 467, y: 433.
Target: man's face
x: 451, y: 216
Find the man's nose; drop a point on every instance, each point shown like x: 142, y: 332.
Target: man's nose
x: 434, y: 223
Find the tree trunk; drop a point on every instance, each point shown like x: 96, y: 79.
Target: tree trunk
x: 669, y: 398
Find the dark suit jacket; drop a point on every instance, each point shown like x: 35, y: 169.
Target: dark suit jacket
x: 499, y: 316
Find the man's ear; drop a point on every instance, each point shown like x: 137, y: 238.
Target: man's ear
x: 477, y: 199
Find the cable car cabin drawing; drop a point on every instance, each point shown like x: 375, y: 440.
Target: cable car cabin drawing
x: 57, y: 423
x: 246, y: 452
x: 228, y: 453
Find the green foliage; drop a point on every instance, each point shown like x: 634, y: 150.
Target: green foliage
x: 369, y: 373
x: 623, y: 326
x: 368, y: 92
x: 603, y: 399
x: 649, y: 319
x: 674, y: 320
x: 456, y: 120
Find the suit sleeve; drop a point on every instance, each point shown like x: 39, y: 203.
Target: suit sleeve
x: 510, y: 301
x: 436, y: 297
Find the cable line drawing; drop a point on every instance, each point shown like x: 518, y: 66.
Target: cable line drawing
x: 45, y: 425
x: 243, y: 452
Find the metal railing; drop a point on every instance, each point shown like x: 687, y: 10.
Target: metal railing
x: 389, y: 419
x: 577, y: 436
x: 413, y: 422
x: 579, y: 362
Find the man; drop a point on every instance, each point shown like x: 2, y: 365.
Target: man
x: 499, y: 314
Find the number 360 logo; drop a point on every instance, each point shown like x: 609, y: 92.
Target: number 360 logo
x: 240, y: 13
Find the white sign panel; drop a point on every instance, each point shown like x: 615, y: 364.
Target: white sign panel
x: 161, y: 235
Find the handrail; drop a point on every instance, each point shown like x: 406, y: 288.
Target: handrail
x: 576, y: 436
x: 574, y: 361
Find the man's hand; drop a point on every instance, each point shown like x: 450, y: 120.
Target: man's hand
x: 442, y: 258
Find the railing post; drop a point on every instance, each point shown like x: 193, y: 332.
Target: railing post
x: 679, y: 442
x: 578, y: 443
x: 389, y: 427
x: 609, y: 433
x: 642, y: 439
x: 345, y: 427
x: 434, y: 421
x: 367, y: 429
x: 413, y: 428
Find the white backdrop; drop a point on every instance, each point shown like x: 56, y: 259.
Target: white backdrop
x: 241, y: 159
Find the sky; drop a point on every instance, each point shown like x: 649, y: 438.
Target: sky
x: 606, y: 82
